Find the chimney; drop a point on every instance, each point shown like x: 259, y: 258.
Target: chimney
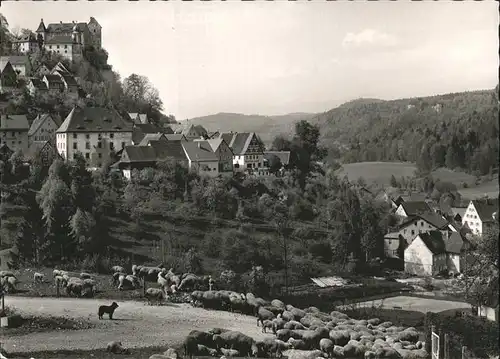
x: 60, y: 22
x: 199, y: 144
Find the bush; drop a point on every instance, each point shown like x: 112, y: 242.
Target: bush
x: 478, y: 334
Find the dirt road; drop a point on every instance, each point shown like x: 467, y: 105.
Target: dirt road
x: 136, y: 324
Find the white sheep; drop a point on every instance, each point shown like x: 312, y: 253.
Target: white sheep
x: 118, y: 269
x: 38, y: 277
x: 162, y: 282
x: 84, y: 275
x: 154, y: 294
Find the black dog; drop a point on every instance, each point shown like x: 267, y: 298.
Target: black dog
x: 110, y: 309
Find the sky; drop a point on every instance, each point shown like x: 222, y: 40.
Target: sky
x: 279, y: 57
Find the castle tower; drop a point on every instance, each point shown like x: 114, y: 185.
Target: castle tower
x: 42, y: 30
x: 75, y: 35
x: 95, y: 32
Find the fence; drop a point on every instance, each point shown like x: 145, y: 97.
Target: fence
x: 444, y: 347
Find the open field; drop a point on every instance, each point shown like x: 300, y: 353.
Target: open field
x: 455, y: 177
x: 488, y: 188
x: 423, y: 305
x: 137, y: 325
x: 378, y: 173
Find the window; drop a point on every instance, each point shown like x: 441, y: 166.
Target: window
x: 57, y: 46
x: 412, y: 232
x: 99, y: 155
x: 236, y: 165
x: 87, y: 136
x: 421, y: 224
x: 259, y: 164
x: 111, y: 146
x: 74, y: 146
x: 249, y: 165
x: 99, y: 144
x: 13, y: 133
x: 74, y: 135
x: 87, y: 145
x: 111, y: 135
x: 404, y: 231
x: 87, y: 155
x: 65, y: 46
x: 123, y: 144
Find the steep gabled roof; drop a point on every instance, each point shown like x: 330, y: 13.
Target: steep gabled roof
x: 14, y: 122
x: 199, y: 151
x: 38, y: 84
x: 240, y: 142
x: 94, y: 119
x: 61, y: 68
x: 228, y: 137
x: 486, y: 208
x: 454, y: 243
x: 284, y: 156
x: 458, y: 211
x: 415, y: 208
x: 4, y: 64
x: 53, y: 80
x: 70, y: 80
x: 434, y: 241
x: 41, y: 27
x: 152, y: 137
x: 39, y: 120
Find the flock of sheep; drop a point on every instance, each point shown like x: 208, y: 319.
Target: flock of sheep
x: 304, y: 334
x: 8, y: 281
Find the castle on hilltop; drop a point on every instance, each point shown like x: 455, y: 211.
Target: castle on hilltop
x: 67, y: 39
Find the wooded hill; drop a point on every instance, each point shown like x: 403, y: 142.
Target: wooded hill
x: 457, y: 130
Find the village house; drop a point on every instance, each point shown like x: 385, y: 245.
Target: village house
x: 191, y: 132
x: 26, y: 44
x: 54, y: 84
x: 413, y: 226
x: 223, y: 153
x: 140, y: 157
x: 45, y: 151
x: 21, y: 64
x: 489, y: 308
x: 140, y: 130
x: 69, y: 39
x: 202, y: 159
x: 408, y: 209
x: 8, y: 76
x: 480, y: 215
x: 43, y: 129
x: 457, y: 214
x: 60, y: 68
x: 426, y: 255
x: 175, y: 137
x: 284, y: 157
x: 14, y: 132
x: 96, y: 132
x: 151, y: 137
x: 36, y: 87
x: 248, y: 151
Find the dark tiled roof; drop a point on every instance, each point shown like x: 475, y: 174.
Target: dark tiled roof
x: 14, y: 122
x: 41, y: 27
x: 414, y: 208
x: 175, y: 137
x: 199, y: 151
x: 38, y: 121
x: 53, y: 79
x: 94, y: 119
x: 38, y: 84
x: 17, y: 60
x: 169, y: 150
x: 66, y: 27
x: 228, y: 137
x: 240, y: 142
x: 61, y: 68
x: 139, y: 154
x: 486, y: 208
x: 70, y: 80
x: 59, y: 39
x: 152, y: 137
x: 454, y: 243
x: 148, y: 128
x: 434, y: 241
x: 284, y: 156
x: 435, y: 219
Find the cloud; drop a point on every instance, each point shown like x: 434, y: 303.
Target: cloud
x: 369, y: 37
